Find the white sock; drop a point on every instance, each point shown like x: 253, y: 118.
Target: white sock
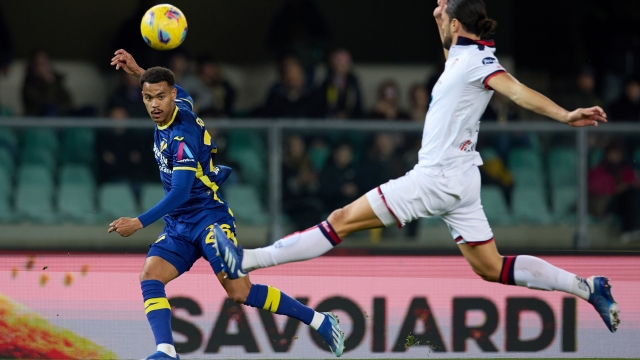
x: 318, y: 318
x: 536, y: 273
x: 299, y: 246
x: 167, y: 349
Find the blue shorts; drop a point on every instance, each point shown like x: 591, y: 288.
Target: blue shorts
x: 187, y: 238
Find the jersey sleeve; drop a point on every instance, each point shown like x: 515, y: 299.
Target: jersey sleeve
x: 184, y: 151
x: 183, y: 98
x: 482, y: 67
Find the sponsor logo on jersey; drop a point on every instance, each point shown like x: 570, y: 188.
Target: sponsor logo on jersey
x: 468, y: 146
x: 186, y: 161
x: 489, y: 61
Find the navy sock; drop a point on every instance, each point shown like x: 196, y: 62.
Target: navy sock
x: 158, y: 310
x: 269, y: 298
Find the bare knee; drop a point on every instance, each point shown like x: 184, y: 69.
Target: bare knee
x: 338, y: 217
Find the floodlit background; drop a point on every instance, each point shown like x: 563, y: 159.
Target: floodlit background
x: 312, y: 103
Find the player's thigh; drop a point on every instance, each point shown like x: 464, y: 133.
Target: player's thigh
x: 174, y: 248
x: 356, y: 216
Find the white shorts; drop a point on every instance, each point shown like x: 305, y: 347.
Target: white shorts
x: 416, y: 195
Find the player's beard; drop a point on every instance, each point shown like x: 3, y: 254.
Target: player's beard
x: 447, y: 41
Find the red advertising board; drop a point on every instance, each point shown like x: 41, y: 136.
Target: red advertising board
x: 90, y: 306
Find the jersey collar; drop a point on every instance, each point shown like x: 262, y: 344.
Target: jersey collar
x: 175, y: 112
x: 465, y: 41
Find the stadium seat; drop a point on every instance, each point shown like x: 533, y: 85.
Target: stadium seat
x: 562, y: 167
x: 524, y: 158
x: 77, y: 202
x: 524, y: 177
x: 35, y: 203
x: 117, y: 200
x: 6, y: 215
x: 495, y: 205
x: 33, y: 156
x: 40, y: 138
x: 245, y: 204
x: 252, y: 167
x: 595, y: 155
x: 152, y: 193
x: 636, y: 158
x: 529, y: 205
x: 319, y: 156
x: 242, y: 139
x: 76, y: 175
x: 564, y: 200
x: 35, y: 175
x: 6, y: 160
x: 5, y: 184
x: 5, y: 195
x: 78, y: 146
x: 8, y: 138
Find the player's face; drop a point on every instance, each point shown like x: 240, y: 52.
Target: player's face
x: 447, y: 40
x: 160, y: 101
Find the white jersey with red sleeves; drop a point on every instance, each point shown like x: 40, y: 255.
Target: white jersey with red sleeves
x: 458, y: 100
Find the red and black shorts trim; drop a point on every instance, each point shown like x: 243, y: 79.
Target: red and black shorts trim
x: 508, y: 266
x: 473, y: 243
x: 388, y: 208
x: 327, y: 230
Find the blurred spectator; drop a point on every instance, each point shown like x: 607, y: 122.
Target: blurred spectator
x: 300, y: 186
x: 387, y: 106
x: 584, y: 94
x: 338, y: 179
x: 381, y: 165
x: 419, y: 102
x: 290, y: 98
x: 299, y: 28
x: 614, y: 187
x: 125, y: 154
x: 179, y: 64
x: 627, y: 107
x: 222, y: 95
x: 341, y: 89
x: 128, y: 97
x: 43, y: 92
x: 6, y: 45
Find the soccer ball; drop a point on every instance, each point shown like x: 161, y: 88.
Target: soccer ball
x: 164, y: 27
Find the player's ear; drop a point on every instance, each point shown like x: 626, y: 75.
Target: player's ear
x: 174, y: 93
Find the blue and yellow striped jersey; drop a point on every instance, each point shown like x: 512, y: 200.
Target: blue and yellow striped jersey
x: 185, y: 144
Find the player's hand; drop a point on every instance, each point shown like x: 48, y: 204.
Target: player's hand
x: 586, y: 117
x: 125, y: 226
x: 437, y: 13
x: 123, y: 60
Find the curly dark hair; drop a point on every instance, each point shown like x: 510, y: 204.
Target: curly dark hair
x: 156, y: 75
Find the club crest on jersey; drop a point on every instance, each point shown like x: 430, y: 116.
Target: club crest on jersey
x: 489, y: 61
x: 163, y: 145
x: 468, y: 146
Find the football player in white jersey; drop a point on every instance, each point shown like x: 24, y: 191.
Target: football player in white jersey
x: 446, y: 181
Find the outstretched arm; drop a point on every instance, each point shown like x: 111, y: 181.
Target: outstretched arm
x: 532, y: 100
x: 437, y: 14
x: 123, y: 60
x: 181, y: 183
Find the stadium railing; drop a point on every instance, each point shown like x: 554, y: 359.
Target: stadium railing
x: 578, y: 231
